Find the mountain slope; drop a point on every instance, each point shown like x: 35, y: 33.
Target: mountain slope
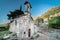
x: 4, y: 25
x: 51, y: 11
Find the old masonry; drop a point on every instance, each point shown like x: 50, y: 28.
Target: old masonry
x: 23, y: 26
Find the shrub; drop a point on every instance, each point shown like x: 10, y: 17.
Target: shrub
x: 55, y: 22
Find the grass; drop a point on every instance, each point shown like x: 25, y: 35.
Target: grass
x: 3, y: 31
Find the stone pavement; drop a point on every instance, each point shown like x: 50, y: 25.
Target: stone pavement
x: 40, y: 37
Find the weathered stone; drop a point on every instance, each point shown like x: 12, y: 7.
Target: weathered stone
x: 22, y: 25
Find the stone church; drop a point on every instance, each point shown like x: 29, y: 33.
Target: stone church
x: 24, y: 26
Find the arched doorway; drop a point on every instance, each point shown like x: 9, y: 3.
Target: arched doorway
x: 29, y: 32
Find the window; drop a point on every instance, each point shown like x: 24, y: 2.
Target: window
x: 15, y: 22
x: 24, y: 32
x: 29, y: 32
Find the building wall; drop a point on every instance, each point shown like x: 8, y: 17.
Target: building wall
x: 21, y: 26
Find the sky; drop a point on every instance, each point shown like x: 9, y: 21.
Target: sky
x: 39, y: 7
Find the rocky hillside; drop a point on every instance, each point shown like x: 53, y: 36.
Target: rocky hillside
x: 4, y: 25
x: 51, y: 11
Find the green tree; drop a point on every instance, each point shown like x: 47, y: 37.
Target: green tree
x: 54, y: 22
x: 15, y: 13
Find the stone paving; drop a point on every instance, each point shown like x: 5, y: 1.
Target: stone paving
x: 40, y: 37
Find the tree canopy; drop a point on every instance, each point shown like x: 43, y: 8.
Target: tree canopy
x: 55, y: 22
x: 15, y: 13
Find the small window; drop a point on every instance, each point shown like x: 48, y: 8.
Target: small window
x: 29, y: 32
x: 15, y: 22
x: 24, y: 32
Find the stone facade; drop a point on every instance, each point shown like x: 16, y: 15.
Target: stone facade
x: 23, y: 26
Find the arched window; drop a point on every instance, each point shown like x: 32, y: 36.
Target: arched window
x: 29, y: 32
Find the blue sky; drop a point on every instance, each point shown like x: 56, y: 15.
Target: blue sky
x: 38, y: 7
